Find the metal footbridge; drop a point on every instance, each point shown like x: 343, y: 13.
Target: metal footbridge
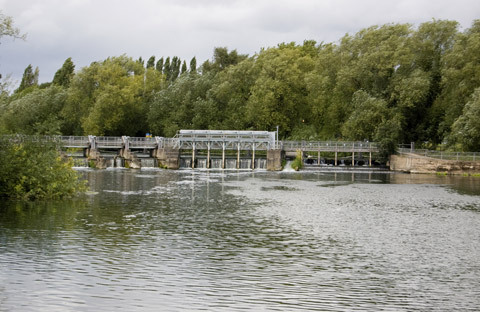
x: 217, y: 140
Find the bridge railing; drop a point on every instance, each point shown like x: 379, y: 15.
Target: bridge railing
x: 103, y: 141
x: 441, y: 154
x: 214, y: 135
x: 166, y: 142
x: 75, y: 141
x: 331, y: 146
x: 142, y: 142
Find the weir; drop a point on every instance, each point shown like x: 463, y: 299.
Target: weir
x: 216, y: 149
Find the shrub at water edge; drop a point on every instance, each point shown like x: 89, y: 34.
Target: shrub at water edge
x: 32, y: 168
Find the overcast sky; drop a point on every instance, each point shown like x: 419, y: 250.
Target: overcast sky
x: 92, y: 30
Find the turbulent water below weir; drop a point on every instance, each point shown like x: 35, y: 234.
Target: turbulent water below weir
x: 153, y: 240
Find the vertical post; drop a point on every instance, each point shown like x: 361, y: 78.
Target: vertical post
x: 336, y: 158
x: 353, y: 158
x: 223, y: 155
x: 208, y: 155
x: 253, y: 156
x: 238, y: 155
x: 318, y: 157
x: 370, y: 159
x: 276, y: 141
x: 193, y: 156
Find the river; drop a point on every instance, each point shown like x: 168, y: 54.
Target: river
x: 188, y: 240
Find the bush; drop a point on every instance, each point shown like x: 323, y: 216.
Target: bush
x: 297, y: 163
x: 32, y: 168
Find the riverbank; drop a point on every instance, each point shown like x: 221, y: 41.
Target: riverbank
x: 414, y: 163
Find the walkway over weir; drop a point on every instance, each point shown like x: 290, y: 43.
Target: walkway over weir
x: 205, y: 139
x: 167, y: 149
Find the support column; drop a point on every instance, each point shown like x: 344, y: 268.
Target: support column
x: 238, y: 155
x: 336, y: 157
x: 353, y: 159
x: 253, y: 156
x: 208, y: 155
x: 370, y: 159
x: 318, y: 157
x: 223, y: 155
x: 274, y: 160
x: 193, y: 156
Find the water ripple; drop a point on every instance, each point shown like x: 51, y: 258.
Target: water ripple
x: 226, y: 241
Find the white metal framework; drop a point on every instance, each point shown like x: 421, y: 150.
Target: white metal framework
x: 225, y: 140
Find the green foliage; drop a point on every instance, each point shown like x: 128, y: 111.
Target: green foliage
x: 64, y: 75
x: 110, y: 98
x: 222, y: 59
x: 167, y: 69
x: 367, y: 115
x: 460, y: 75
x: 31, y: 168
x: 29, y: 79
x: 466, y: 129
x: 387, y: 136
x: 176, y: 107
x: 184, y: 67
x: 151, y: 62
x: 279, y: 94
x: 159, y: 66
x: 297, y: 163
x: 36, y: 112
x: 193, y: 65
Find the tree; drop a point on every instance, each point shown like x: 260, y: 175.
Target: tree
x: 368, y: 113
x: 29, y: 79
x: 8, y: 29
x: 193, y: 65
x: 184, y: 68
x: 175, y: 68
x: 279, y: 95
x: 167, y: 69
x: 64, y: 75
x: 466, y: 128
x: 182, y: 106
x: 159, y: 65
x: 109, y: 98
x: 430, y: 43
x: 229, y: 94
x: 222, y: 59
x: 36, y: 112
x: 460, y: 76
x: 151, y: 62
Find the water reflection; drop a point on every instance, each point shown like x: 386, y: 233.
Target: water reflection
x: 220, y: 240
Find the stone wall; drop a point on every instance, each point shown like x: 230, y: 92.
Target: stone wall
x: 419, y: 164
x: 274, y: 160
x: 168, y: 157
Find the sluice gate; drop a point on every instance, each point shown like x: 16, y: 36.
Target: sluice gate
x: 237, y: 148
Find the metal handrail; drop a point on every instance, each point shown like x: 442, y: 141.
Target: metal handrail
x: 446, y: 155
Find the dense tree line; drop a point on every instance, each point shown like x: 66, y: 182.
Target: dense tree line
x: 392, y: 84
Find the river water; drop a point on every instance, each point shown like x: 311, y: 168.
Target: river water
x: 188, y: 240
